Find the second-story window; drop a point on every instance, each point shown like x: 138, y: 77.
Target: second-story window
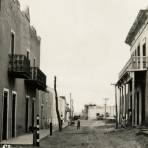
x: 138, y: 51
x: 144, y: 49
x: 12, y: 43
x: 28, y: 54
x: 135, y: 52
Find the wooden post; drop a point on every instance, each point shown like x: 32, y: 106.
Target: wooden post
x: 133, y: 99
x: 120, y: 106
x: 116, y: 107
x: 125, y: 101
x: 145, y: 110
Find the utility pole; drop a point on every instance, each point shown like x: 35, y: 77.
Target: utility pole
x: 70, y: 107
x: 105, y: 99
x: 57, y: 108
x: 116, y: 105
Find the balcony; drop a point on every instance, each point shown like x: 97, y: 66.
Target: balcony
x: 19, y: 66
x: 134, y: 64
x: 38, y: 79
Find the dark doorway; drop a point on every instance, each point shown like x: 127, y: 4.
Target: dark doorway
x: 5, y: 115
x: 137, y: 108
x: 27, y: 102
x: 13, y: 114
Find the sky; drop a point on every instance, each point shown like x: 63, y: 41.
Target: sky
x: 83, y: 44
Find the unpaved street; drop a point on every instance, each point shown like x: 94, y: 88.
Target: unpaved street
x: 94, y: 134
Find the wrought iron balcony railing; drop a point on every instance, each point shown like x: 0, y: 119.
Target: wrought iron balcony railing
x: 39, y: 77
x: 135, y: 63
x: 19, y: 66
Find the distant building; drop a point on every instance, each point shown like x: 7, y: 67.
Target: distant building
x: 20, y: 73
x: 91, y: 111
x: 133, y: 78
x: 85, y: 112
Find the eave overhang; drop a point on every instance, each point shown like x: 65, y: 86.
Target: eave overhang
x: 139, y: 21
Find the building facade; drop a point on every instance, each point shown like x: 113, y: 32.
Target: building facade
x: 45, y: 108
x: 133, y: 78
x: 20, y: 74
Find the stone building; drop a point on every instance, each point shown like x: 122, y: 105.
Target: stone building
x: 20, y: 73
x: 133, y: 78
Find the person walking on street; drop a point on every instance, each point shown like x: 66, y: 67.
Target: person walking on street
x: 78, y: 124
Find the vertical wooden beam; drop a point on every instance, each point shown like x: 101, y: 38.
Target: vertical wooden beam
x: 125, y: 101
x: 146, y: 99
x: 120, y: 105
x: 133, y: 98
x: 122, y: 102
x: 135, y: 107
x: 140, y: 107
x: 128, y: 98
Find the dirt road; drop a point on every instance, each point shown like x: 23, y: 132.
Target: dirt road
x: 94, y: 134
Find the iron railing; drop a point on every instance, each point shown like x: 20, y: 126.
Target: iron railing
x: 19, y: 64
x: 135, y: 63
x: 39, y: 76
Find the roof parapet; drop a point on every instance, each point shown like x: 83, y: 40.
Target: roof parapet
x: 34, y: 33
x: 26, y: 13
